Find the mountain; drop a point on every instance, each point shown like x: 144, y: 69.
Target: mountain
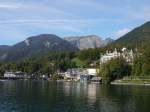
x: 4, y: 47
x: 136, y: 37
x: 86, y: 42
x: 107, y: 41
x: 35, y: 46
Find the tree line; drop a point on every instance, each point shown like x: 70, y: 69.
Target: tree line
x: 55, y: 62
x: 118, y: 68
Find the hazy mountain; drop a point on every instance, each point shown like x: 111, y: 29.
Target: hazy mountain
x: 4, y: 47
x: 135, y: 37
x: 41, y: 44
x: 107, y: 41
x: 35, y: 46
x: 86, y: 42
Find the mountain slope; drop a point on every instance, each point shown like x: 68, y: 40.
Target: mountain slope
x: 86, y: 42
x: 35, y: 46
x: 136, y: 37
x: 4, y: 47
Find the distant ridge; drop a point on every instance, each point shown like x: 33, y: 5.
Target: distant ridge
x: 35, y: 46
x: 4, y: 47
x: 89, y: 41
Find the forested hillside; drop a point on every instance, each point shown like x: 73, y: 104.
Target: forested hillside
x: 54, y: 61
x: 135, y: 38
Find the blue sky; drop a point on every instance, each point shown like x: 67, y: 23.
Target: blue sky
x: 20, y: 19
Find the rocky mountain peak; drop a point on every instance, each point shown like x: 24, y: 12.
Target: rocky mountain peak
x: 86, y: 42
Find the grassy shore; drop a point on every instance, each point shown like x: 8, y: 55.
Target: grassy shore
x: 133, y: 81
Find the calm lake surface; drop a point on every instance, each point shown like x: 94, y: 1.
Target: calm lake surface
x: 44, y: 96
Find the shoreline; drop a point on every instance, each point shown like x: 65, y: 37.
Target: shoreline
x: 130, y: 83
x: 112, y: 83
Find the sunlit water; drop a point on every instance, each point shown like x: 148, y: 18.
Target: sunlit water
x: 44, y: 96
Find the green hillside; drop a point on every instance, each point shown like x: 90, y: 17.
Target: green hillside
x: 135, y: 38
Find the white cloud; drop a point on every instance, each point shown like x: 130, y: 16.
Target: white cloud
x: 54, y: 21
x: 122, y: 32
x: 8, y: 6
x: 71, y: 25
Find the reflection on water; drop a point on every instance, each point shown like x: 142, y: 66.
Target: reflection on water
x: 44, y: 96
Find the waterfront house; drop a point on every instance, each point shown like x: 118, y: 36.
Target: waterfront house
x: 73, y: 73
x: 82, y: 74
x: 88, y: 74
x: 19, y: 74
x: 9, y: 75
x: 91, y: 71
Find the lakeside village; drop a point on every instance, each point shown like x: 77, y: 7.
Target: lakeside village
x: 78, y: 74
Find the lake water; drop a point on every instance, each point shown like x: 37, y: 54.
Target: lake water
x: 44, y: 96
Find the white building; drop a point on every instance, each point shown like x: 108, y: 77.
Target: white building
x: 91, y: 71
x: 128, y: 55
x: 75, y: 73
x: 9, y: 75
x: 17, y: 74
